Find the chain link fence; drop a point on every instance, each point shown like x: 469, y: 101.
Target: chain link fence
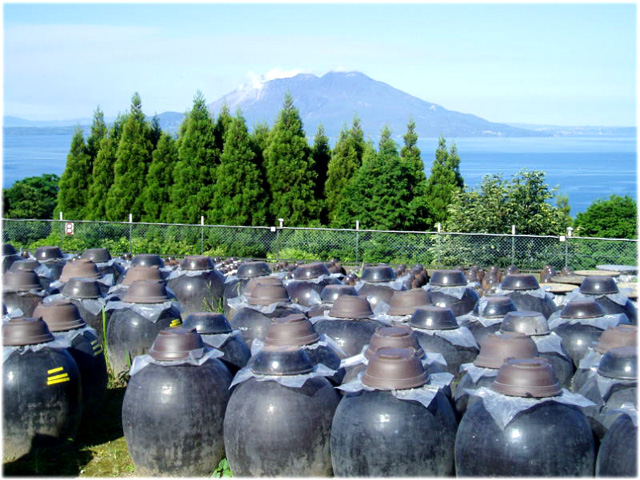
x: 435, y: 249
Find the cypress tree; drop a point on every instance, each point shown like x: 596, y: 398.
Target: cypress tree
x: 74, y: 182
x: 98, y: 132
x: 159, y: 179
x: 133, y: 157
x: 321, y: 153
x: 444, y: 181
x: 291, y: 170
x: 220, y: 128
x: 194, y: 173
x: 239, y: 197
x: 411, y: 156
x: 102, y: 174
x: 155, y: 132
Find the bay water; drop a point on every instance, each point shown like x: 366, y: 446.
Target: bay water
x: 584, y: 168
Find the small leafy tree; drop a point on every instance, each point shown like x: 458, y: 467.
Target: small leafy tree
x: 614, y: 217
x: 31, y: 197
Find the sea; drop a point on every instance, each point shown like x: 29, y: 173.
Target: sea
x: 584, y: 168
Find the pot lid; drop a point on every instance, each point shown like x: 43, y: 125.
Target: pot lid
x: 197, y: 262
x: 619, y: 336
x: 598, y: 285
x: 448, y: 278
x: 97, y: 255
x: 378, y: 274
x: 141, y: 272
x: 48, y: 253
x: 207, y: 323
x: 268, y: 280
x: 311, y: 270
x: 253, y: 269
x: 266, y: 294
x: 331, y: 292
x: 7, y: 249
x: 146, y: 291
x: 582, y: 309
x: 60, y: 315
x: 28, y: 264
x: 495, y: 349
x: 79, y: 268
x: 532, y: 377
x: 348, y: 306
x: 78, y: 287
x: 175, y: 344
x: 529, y: 323
x: 147, y: 260
x: 20, y: 281
x: 496, y: 307
x: 395, y: 369
x: 620, y: 363
x: 399, y: 336
x: 291, y: 330
x: 279, y: 360
x: 433, y: 317
x: 25, y: 331
x: 406, y: 302
x: 519, y: 281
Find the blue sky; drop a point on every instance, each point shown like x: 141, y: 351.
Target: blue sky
x: 572, y: 64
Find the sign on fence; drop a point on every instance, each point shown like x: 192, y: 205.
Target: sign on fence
x: 68, y: 228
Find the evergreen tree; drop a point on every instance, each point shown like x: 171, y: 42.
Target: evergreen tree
x: 239, y: 197
x: 220, y: 128
x: 155, y: 132
x: 74, y: 183
x: 444, y: 181
x: 160, y: 179
x: 133, y: 157
x: 290, y: 170
x: 102, y: 174
x: 378, y: 194
x: 194, y: 173
x: 98, y: 132
x: 321, y: 153
x: 346, y: 158
x: 411, y: 156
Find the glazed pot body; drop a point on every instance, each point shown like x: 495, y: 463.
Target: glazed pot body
x: 233, y: 289
x: 325, y: 355
x: 529, y: 303
x: 615, y: 456
x: 548, y: 440
x: 455, y: 355
x: 377, y: 293
x: 114, y: 269
x: 601, y: 420
x: 93, y: 320
x: 479, y: 331
x: 273, y: 430
x: 463, y: 401
x: 577, y: 338
x: 610, y: 307
x: 351, y: 335
x: 375, y: 434
x: 198, y: 293
x: 254, y: 324
x: 459, y: 306
x: 300, y: 291
x: 8, y: 260
x: 129, y: 334
x: 562, y: 366
x: 40, y: 407
x: 172, y: 418
x: 86, y: 349
x: 236, y: 352
x: 27, y: 302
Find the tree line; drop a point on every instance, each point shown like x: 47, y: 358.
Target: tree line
x: 216, y: 168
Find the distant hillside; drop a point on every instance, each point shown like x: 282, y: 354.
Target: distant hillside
x: 333, y: 99
x: 580, y: 131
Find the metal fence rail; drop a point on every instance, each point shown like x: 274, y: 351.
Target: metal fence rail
x: 436, y: 249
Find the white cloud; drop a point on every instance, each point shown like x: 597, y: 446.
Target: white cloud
x: 257, y: 81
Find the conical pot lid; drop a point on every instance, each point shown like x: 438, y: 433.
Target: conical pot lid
x: 448, y: 278
x: 395, y: 369
x: 253, y: 269
x: 23, y: 331
x: 582, y: 309
x: 520, y: 281
x: 599, y: 285
x: 311, y: 270
x: 291, y: 330
x: 268, y: 280
x: 531, y: 377
x: 406, y: 302
x: 433, y: 317
x: 618, y: 336
x: 495, y: 349
x: 20, y: 281
x: 79, y: 268
x: 197, y: 262
x: 44, y: 254
x: 348, y: 306
x: 26, y: 265
x: 97, y: 255
x: 331, y: 292
x: 620, y: 363
x: 142, y: 272
x: 266, y: 294
x: 207, y: 323
x: 496, y: 307
x: 378, y: 274
x: 529, y: 323
x: 399, y: 336
x: 145, y: 291
x: 81, y: 288
x: 277, y: 360
x: 175, y: 344
x: 147, y: 260
x: 60, y: 315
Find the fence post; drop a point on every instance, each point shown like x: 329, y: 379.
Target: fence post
x: 357, y: 238
x: 61, y: 230
x: 566, y: 247
x: 513, y: 244
x: 439, y: 253
x: 131, y: 233
x: 278, y: 235
x: 201, y: 235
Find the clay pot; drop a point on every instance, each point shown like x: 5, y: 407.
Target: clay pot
x: 172, y: 415
x: 615, y: 457
x: 448, y: 278
x: 376, y: 293
x: 16, y: 293
x: 406, y: 302
x: 141, y: 272
x: 517, y: 286
x: 378, y: 274
x: 203, y: 291
x: 147, y: 260
x: 328, y: 297
x: 273, y: 430
x: 599, y: 285
x: 102, y: 256
x: 403, y: 438
x: 79, y: 268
